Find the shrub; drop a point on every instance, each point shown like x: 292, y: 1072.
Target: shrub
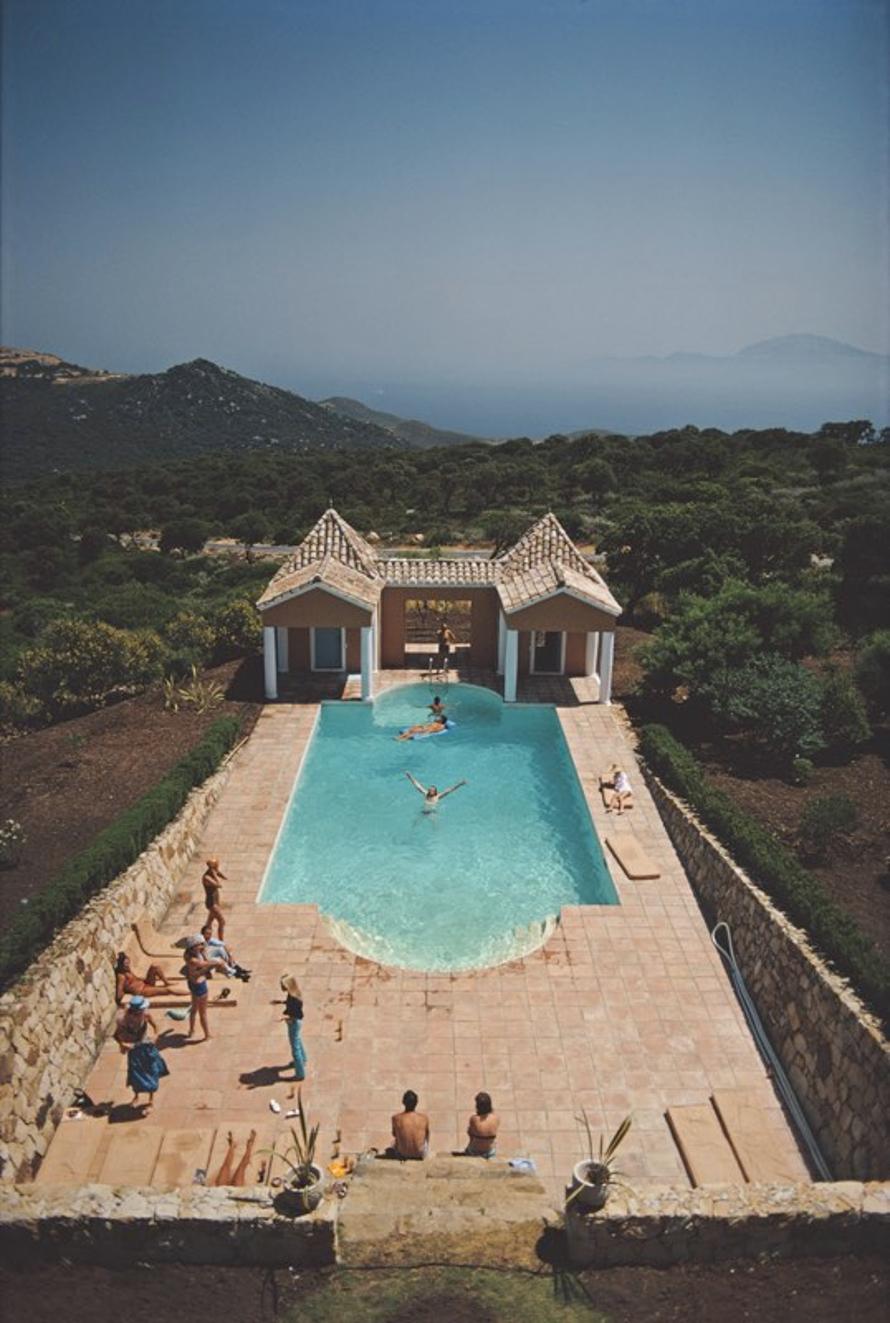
x: 12, y: 842
x: 237, y: 630
x: 188, y: 634
x: 16, y: 707
x: 802, y: 771
x: 77, y: 664
x: 873, y: 672
x: 844, y: 719
x: 777, y: 702
x: 113, y: 850
x: 823, y: 819
x: 772, y: 867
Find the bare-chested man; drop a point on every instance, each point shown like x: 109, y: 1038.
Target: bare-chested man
x: 410, y: 1130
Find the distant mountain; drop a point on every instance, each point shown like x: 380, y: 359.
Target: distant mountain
x: 58, y: 416
x: 805, y: 349
x: 409, y: 429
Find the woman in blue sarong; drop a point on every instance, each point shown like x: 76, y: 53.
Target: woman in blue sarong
x: 145, y: 1065
x: 293, y: 1014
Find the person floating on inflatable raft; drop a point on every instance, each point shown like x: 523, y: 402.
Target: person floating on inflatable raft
x: 431, y: 795
x: 436, y: 727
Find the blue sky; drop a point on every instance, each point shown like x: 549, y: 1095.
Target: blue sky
x: 331, y: 194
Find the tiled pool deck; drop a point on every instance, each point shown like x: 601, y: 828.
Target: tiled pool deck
x: 625, y: 1009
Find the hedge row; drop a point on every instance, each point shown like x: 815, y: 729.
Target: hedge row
x: 113, y: 850
x: 774, y: 868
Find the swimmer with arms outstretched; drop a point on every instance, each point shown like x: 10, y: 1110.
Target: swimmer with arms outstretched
x: 424, y: 728
x: 431, y: 795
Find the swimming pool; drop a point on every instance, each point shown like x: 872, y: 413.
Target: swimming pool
x: 473, y: 883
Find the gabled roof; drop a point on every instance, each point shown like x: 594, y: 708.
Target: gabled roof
x: 332, y: 554
x: 544, y: 562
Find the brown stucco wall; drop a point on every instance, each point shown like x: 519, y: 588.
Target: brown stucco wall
x: 316, y: 608
x: 483, y: 624
x: 576, y: 653
x: 298, y: 654
x: 353, y: 650
x: 562, y: 613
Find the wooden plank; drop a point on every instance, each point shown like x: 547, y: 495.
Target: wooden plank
x: 182, y: 1153
x: 631, y: 856
x: 704, y: 1148
x: 763, y: 1146
x: 259, y: 1169
x: 71, y: 1153
x: 132, y: 1154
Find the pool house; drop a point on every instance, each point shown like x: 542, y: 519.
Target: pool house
x: 337, y: 606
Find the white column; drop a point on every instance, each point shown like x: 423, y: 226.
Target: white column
x: 511, y: 665
x: 590, y: 653
x: 270, y: 662
x: 502, y: 640
x: 607, y: 654
x: 367, y: 661
x: 281, y: 643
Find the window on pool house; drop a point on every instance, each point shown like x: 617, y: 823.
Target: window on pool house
x: 327, y: 650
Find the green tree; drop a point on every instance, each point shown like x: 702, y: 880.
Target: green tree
x: 844, y: 718
x: 250, y: 528
x: 77, y: 664
x: 237, y: 629
x: 864, y: 591
x: 778, y: 703
x: 185, y: 535
x: 873, y: 671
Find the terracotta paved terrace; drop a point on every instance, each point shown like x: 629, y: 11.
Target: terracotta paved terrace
x: 626, y: 1008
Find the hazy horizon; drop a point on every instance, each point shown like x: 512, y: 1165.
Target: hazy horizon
x: 446, y: 211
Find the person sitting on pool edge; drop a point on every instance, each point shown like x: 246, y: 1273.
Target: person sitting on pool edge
x: 434, y: 727
x: 437, y: 707
x: 431, y: 795
x: 410, y: 1131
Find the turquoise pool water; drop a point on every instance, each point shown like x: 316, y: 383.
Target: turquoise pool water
x: 474, y: 882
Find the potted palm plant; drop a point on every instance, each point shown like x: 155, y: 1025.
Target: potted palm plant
x: 593, y: 1175
x: 303, y: 1192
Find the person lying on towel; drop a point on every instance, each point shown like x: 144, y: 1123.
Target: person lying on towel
x: 618, y: 782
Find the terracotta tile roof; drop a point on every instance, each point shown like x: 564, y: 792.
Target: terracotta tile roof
x: 437, y: 573
x: 331, y: 552
x: 542, y: 562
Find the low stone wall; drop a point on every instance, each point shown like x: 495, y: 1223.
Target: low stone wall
x: 482, y: 1225
x: 116, y: 1227
x: 833, y: 1050
x: 659, y: 1227
x: 54, y: 1020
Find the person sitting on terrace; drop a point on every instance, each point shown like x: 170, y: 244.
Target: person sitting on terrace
x: 622, y: 796
x: 434, y: 727
x: 410, y: 1131
x: 482, y: 1129
x: 432, y: 795
x: 128, y: 984
x: 217, y: 950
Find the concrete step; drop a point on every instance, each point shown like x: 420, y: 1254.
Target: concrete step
x: 451, y: 1210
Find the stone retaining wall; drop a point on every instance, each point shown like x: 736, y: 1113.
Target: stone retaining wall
x: 54, y: 1020
x: 833, y: 1050
x: 656, y: 1227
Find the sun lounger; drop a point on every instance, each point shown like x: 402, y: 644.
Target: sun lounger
x: 73, y: 1150
x: 758, y: 1138
x: 155, y: 945
x: 703, y: 1146
x: 132, y: 1154
x: 182, y: 1153
x: 631, y: 856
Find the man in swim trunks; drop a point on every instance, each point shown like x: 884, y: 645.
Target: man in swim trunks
x: 431, y: 795
x: 410, y: 1130
x: 424, y: 728
x: 445, y: 640
x: 437, y: 707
